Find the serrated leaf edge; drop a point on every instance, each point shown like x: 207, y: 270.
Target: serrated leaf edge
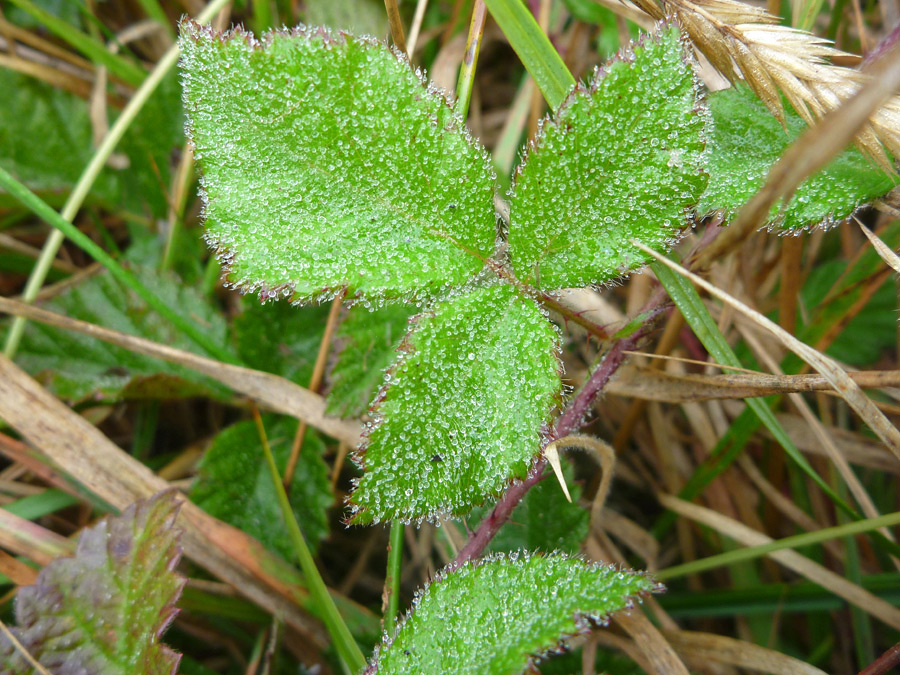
x: 190, y: 29
x: 583, y: 620
x: 141, y: 512
x: 626, y: 55
x: 775, y: 225
x: 358, y: 455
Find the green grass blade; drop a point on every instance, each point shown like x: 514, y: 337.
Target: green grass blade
x: 797, y: 541
x: 93, y: 49
x: 392, y: 582
x: 343, y: 641
x: 36, y: 506
x: 534, y: 48
x: 51, y: 217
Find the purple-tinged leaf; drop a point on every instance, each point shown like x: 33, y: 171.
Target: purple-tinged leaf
x: 105, y: 609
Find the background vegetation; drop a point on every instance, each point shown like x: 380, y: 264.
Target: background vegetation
x: 700, y: 489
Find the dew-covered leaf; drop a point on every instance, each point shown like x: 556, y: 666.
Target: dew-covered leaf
x: 104, y: 610
x: 543, y: 521
x: 462, y: 408
x: 621, y: 160
x: 746, y: 140
x: 328, y: 163
x: 367, y: 344
x: 75, y: 366
x: 280, y: 338
x: 235, y: 485
x: 494, y: 617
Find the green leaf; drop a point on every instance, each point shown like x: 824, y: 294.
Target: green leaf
x: 234, y: 484
x: 543, y: 521
x: 462, y: 408
x: 328, y: 164
x: 747, y: 140
x: 494, y: 617
x: 279, y: 338
x: 368, y: 345
x: 621, y: 160
x: 104, y: 610
x: 75, y: 366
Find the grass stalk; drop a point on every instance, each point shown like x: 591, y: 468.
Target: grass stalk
x: 344, y: 643
x: 534, y: 48
x: 796, y: 541
x: 392, y: 582
x: 470, y: 58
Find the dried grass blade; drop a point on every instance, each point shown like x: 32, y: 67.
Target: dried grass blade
x: 269, y: 390
x: 707, y: 647
x: 792, y: 560
x: 858, y: 448
x: 881, y: 248
x: 746, y: 44
x: 78, y: 448
x: 837, y: 376
x: 651, y: 649
x: 22, y: 537
x: 850, y: 478
x: 653, y: 385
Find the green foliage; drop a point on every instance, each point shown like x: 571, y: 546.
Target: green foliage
x: 746, y: 140
x: 368, y: 343
x: 494, y: 617
x: 279, y: 338
x: 869, y: 334
x: 360, y: 17
x: 150, y: 146
x: 46, y: 141
x: 234, y: 485
x: 75, y: 366
x: 103, y: 610
x: 45, y: 138
x: 621, y: 160
x: 462, y: 408
x: 543, y: 521
x: 329, y: 164
x: 65, y: 10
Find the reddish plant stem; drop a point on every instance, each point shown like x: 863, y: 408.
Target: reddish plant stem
x: 573, y: 416
x: 884, y: 663
x: 569, y: 422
